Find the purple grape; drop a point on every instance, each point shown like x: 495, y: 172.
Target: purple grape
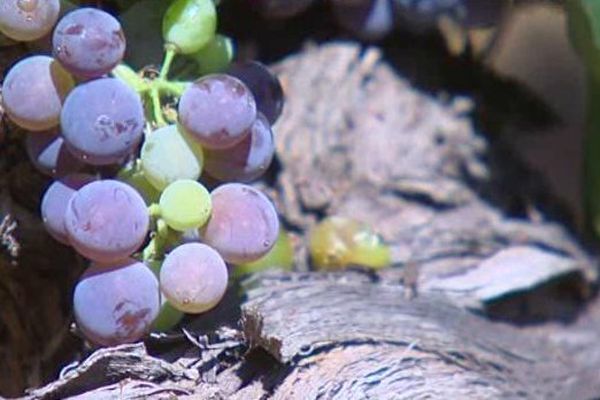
x: 281, y: 8
x: 47, y: 152
x: 193, y: 278
x: 263, y: 84
x: 106, y: 220
x: 33, y: 92
x: 55, y: 201
x: 117, y: 303
x: 246, y: 160
x: 88, y: 42
x: 368, y: 19
x: 217, y: 110
x: 244, y: 224
x: 27, y: 20
x: 102, y: 121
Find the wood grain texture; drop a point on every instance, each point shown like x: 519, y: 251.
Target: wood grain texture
x: 355, y: 139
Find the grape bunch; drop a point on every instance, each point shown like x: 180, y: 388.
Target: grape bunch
x: 128, y: 152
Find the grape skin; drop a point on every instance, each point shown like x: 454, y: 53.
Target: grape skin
x: 217, y: 110
x: 263, y: 84
x: 49, y: 155
x: 185, y: 204
x: 193, y: 278
x: 246, y: 160
x: 189, y: 24
x: 244, y: 224
x: 27, y: 20
x: 102, y: 121
x: 215, y: 56
x: 168, y: 316
x: 106, y: 220
x: 167, y: 156
x: 117, y: 303
x: 88, y: 42
x: 33, y: 92
x: 55, y: 201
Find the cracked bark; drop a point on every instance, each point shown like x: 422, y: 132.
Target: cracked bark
x: 355, y: 139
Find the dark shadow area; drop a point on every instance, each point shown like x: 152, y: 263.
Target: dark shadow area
x: 425, y: 61
x: 560, y: 300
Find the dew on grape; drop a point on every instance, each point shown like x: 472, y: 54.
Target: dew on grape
x: 217, y: 110
x: 33, y: 92
x: 246, y: 160
x: 102, y: 121
x: 116, y: 303
x: 106, y: 220
x: 193, y: 278
x: 88, y: 42
x: 243, y: 225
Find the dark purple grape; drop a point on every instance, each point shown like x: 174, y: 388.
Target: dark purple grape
x: 281, y: 8
x: 367, y: 19
x: 244, y: 224
x: 102, y: 121
x: 263, y: 84
x: 106, y: 220
x: 193, y: 278
x: 246, y: 160
x: 116, y: 303
x: 47, y: 152
x: 217, y: 110
x: 55, y: 201
x: 88, y: 42
x: 33, y: 92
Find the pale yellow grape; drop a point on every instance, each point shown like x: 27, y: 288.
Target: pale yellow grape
x: 185, y: 204
x: 167, y: 156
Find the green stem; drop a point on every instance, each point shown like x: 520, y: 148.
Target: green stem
x: 174, y: 88
x: 157, y: 107
x: 154, y: 211
x: 166, y: 65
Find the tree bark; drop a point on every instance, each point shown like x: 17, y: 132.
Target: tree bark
x: 479, y: 303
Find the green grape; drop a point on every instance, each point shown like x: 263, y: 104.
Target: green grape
x: 338, y: 242
x: 168, y: 155
x: 215, y: 56
x: 133, y: 175
x: 168, y: 316
x: 190, y: 24
x: 185, y: 204
x: 281, y: 256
